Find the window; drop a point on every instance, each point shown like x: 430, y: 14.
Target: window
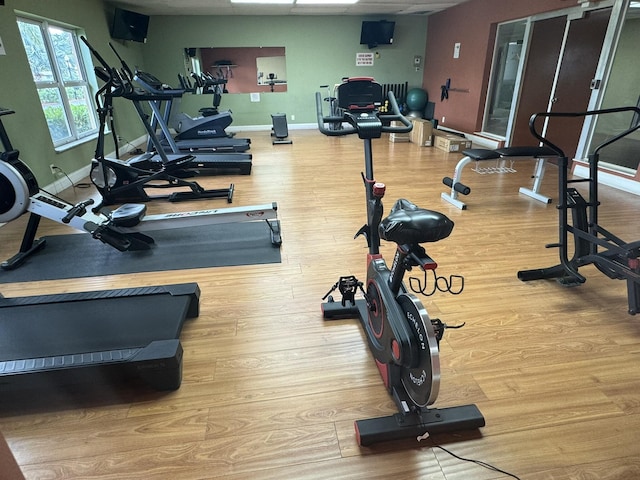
x: 61, y: 79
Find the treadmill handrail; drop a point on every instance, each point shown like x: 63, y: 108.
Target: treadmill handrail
x: 147, y: 82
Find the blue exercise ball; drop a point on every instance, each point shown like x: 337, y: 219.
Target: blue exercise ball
x: 416, y: 101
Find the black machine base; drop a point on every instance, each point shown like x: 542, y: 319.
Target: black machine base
x: 404, y: 425
x: 432, y: 421
x: 276, y: 232
x: 336, y: 311
x: 222, y: 164
x: 109, y: 334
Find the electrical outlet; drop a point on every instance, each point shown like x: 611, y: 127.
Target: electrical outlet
x: 53, y: 169
x: 293, y: 117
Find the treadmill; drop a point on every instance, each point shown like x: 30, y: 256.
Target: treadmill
x: 213, y: 140
x: 207, y: 163
x: 112, y: 335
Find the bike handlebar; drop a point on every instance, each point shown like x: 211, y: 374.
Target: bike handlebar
x: 348, y: 117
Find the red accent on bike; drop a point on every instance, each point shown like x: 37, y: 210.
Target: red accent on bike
x: 395, y: 349
x: 372, y: 257
x: 383, y: 368
x: 359, y: 79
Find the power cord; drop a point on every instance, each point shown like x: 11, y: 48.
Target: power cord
x: 486, y: 465
x: 73, y: 185
x: 131, y: 148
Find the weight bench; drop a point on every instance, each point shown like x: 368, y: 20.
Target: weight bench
x: 482, y: 154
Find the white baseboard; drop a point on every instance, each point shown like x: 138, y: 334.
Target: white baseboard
x: 616, y: 181
x: 69, y: 179
x: 477, y: 139
x: 485, y: 141
x: 267, y: 128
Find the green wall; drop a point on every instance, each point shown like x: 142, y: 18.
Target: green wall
x: 27, y: 128
x: 319, y: 49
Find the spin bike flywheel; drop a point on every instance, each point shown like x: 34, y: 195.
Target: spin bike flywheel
x: 17, y: 184
x: 422, y: 381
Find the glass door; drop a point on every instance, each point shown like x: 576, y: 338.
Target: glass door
x: 622, y: 90
x: 506, y: 68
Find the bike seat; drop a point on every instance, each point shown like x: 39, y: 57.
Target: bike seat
x: 409, y: 224
x: 128, y: 215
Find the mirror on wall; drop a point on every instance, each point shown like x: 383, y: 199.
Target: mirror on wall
x: 245, y: 69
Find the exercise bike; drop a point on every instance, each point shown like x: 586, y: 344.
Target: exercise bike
x: 334, y: 110
x: 593, y: 244
x: 403, y: 339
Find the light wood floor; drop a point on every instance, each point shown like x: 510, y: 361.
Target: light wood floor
x: 271, y: 391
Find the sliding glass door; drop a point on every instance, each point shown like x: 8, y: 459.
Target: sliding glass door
x: 622, y: 89
x: 507, y: 64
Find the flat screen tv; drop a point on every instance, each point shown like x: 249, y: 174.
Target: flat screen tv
x: 129, y: 26
x: 374, y: 33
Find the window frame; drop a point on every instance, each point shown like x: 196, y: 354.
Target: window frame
x: 60, y: 84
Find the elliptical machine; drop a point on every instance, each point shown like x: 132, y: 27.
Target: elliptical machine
x: 403, y: 339
x: 122, y: 182
x: 592, y: 243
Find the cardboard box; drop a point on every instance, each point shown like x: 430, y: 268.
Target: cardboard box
x: 450, y: 142
x: 399, y: 137
x: 422, y: 133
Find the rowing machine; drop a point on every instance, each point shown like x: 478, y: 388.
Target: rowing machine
x: 121, y: 228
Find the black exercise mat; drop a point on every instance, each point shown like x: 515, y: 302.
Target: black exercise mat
x: 79, y: 255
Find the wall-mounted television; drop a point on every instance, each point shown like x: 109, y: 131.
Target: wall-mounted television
x: 374, y: 33
x: 129, y: 25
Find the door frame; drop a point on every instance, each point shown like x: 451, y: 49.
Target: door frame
x: 609, y: 46
x: 607, y: 175
x: 572, y: 13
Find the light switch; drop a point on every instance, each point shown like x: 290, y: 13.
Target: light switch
x: 456, y: 50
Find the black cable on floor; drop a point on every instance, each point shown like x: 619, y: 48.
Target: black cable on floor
x: 477, y: 462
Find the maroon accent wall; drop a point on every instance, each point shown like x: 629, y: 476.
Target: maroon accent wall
x: 472, y: 24
x: 244, y: 76
x: 9, y: 469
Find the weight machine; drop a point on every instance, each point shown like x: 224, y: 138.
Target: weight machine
x: 592, y: 243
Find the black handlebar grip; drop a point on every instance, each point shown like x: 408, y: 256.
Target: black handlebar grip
x: 77, y: 210
x: 458, y: 187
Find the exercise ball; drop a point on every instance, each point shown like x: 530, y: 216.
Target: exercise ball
x: 416, y: 101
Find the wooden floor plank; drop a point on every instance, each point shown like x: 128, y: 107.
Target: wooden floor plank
x: 271, y: 390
